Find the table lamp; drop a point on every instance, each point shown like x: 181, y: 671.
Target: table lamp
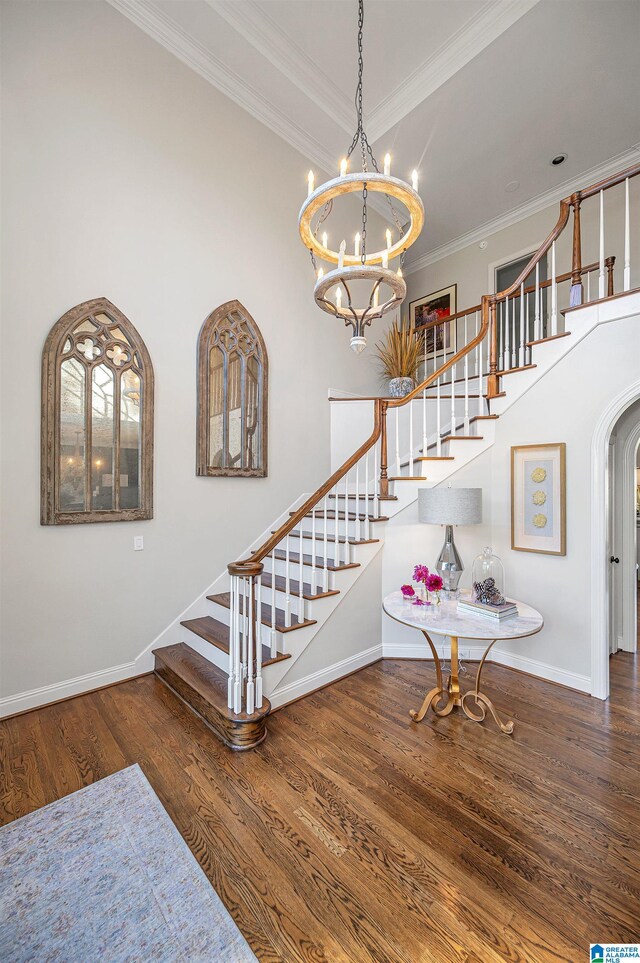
x: 449, y: 507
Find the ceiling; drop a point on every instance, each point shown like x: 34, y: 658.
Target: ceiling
x: 476, y: 94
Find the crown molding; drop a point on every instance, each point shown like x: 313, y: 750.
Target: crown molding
x: 170, y: 35
x: 533, y: 206
x: 251, y: 22
x: 491, y: 21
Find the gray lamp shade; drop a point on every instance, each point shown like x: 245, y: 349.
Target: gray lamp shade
x: 450, y: 506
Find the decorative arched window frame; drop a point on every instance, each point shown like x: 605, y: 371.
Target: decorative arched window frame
x: 95, y: 339
x: 230, y: 330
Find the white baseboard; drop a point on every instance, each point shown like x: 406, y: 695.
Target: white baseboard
x: 23, y: 701
x: 542, y: 670
x: 295, y: 690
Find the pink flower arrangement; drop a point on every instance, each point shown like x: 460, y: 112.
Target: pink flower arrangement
x: 431, y: 582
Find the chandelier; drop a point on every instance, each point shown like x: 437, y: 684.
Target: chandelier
x: 386, y: 289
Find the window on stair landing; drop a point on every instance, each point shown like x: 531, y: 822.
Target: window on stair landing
x: 505, y: 275
x: 232, y: 395
x: 97, y: 419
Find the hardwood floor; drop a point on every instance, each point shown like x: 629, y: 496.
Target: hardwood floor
x: 353, y: 834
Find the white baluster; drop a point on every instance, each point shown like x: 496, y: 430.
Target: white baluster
x: 601, y: 279
x: 376, y: 483
x: 627, y: 240
x: 368, y: 501
x: 452, y: 430
x: 336, y: 528
x: 325, y: 586
x: 287, y: 582
x: 554, y: 292
x: 347, y: 547
x: 529, y: 337
x: 507, y: 336
x: 259, y: 644
x: 232, y: 644
x: 538, y: 320
x: 358, y: 528
x: 522, y: 330
x: 246, y: 619
x: 424, y: 421
x: 248, y: 656
x: 588, y: 287
x: 397, y: 471
x: 301, y: 605
x: 272, y: 633
x: 438, y: 421
x: 411, y: 439
x: 480, y: 370
x: 314, y: 572
x: 466, y: 380
x: 237, y: 674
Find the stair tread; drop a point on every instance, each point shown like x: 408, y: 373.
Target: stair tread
x: 320, y: 538
x: 552, y: 337
x: 395, y: 478
x: 435, y: 458
x: 203, y: 677
x: 224, y: 599
x: 217, y: 633
x: 524, y: 367
x: 307, y: 593
x: 352, y: 517
x: 463, y: 438
x: 294, y: 558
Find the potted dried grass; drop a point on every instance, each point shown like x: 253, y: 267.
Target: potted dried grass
x: 399, y: 355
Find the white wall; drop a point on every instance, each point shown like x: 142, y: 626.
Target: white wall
x: 564, y: 405
x: 128, y: 176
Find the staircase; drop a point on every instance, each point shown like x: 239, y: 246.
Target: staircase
x: 236, y: 650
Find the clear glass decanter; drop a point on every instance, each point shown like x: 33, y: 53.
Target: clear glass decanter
x: 488, y: 578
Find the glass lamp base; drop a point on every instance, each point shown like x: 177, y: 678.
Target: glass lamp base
x: 449, y: 565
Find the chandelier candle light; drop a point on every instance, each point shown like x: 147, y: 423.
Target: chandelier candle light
x: 332, y: 290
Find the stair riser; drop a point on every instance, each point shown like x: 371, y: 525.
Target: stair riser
x: 294, y: 572
x: 352, y: 528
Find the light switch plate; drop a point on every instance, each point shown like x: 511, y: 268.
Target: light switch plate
x: 138, y: 543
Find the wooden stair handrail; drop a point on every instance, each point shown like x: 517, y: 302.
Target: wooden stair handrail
x: 252, y: 566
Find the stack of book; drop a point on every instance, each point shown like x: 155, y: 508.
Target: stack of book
x: 468, y: 606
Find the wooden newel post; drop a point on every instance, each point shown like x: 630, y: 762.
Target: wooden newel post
x: 493, y: 386
x: 384, y: 479
x: 609, y: 263
x: 576, y: 295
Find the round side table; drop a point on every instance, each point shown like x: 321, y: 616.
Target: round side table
x: 445, y: 620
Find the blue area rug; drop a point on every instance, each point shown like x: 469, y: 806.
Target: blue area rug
x: 104, y: 875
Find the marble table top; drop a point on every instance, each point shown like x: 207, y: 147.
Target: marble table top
x: 463, y: 625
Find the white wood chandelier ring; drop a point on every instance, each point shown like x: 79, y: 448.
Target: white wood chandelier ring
x: 345, y: 275
x: 350, y: 184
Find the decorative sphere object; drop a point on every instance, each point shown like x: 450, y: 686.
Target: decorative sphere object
x: 488, y: 579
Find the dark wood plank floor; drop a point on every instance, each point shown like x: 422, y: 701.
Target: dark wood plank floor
x: 352, y: 834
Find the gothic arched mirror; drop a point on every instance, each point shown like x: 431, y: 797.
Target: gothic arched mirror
x: 232, y: 395
x: 97, y: 419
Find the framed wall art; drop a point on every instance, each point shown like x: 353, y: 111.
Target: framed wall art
x: 440, y: 338
x: 538, y: 499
